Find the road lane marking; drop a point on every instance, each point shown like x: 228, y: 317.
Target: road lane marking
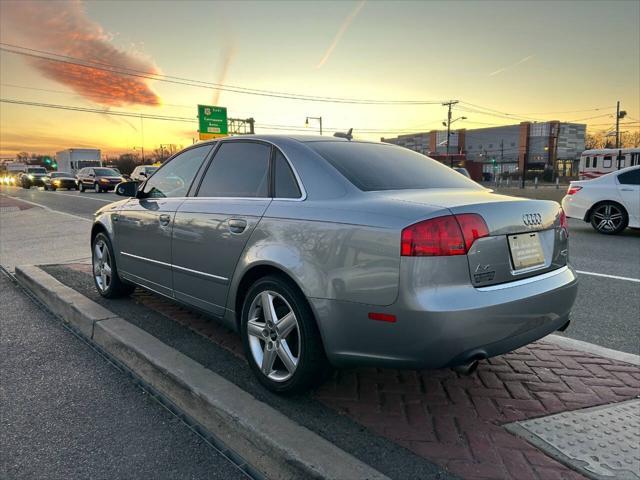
x: 83, y: 197
x: 615, y: 277
x: 48, y: 209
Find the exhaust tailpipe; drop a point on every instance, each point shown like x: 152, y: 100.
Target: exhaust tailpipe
x: 466, y: 368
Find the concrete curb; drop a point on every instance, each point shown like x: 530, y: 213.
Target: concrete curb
x: 272, y: 443
x: 609, y: 353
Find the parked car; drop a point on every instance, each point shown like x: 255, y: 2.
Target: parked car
x: 324, y: 251
x: 98, y: 179
x: 33, y: 177
x: 610, y: 202
x: 142, y: 172
x: 57, y: 180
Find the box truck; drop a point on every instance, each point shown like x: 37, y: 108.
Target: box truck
x: 73, y: 159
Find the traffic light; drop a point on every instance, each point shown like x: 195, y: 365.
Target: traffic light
x: 54, y: 165
x: 47, y: 161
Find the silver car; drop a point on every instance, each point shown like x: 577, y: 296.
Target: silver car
x: 324, y: 251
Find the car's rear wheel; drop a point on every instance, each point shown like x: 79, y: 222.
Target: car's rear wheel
x: 280, y: 337
x: 105, y: 272
x: 609, y: 218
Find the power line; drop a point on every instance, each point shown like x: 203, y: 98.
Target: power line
x: 119, y: 69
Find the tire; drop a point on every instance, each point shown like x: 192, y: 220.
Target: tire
x: 53, y: 189
x: 609, y: 218
x: 96, y: 188
x: 26, y: 186
x: 300, y: 343
x: 81, y: 187
x: 45, y: 188
x: 107, y: 282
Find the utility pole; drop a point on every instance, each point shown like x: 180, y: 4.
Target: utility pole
x: 501, y: 155
x: 619, y: 115
x: 449, y: 104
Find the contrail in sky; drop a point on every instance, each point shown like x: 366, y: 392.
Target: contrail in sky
x: 343, y: 28
x: 519, y: 62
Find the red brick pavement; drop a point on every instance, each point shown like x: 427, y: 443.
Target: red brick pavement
x: 455, y: 421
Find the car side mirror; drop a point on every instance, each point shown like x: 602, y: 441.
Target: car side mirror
x: 127, y: 189
x: 142, y: 174
x: 92, y: 175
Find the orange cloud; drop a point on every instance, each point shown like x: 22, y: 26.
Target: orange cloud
x: 64, y: 28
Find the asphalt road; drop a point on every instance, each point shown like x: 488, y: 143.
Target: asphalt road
x: 607, y: 309
x: 68, y: 413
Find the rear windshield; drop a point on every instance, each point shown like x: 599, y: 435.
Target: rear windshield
x: 36, y: 170
x: 376, y: 166
x: 106, y: 172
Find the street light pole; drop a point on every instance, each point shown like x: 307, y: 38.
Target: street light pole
x: 319, y: 119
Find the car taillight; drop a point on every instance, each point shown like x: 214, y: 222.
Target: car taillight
x: 443, y: 236
x: 573, y: 190
x: 563, y: 222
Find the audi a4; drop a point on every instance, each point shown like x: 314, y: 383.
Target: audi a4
x: 324, y: 251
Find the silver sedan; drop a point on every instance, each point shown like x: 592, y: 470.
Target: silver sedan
x: 324, y: 251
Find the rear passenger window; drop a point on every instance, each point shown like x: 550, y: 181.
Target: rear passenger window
x: 630, y: 178
x: 238, y: 169
x: 285, y: 183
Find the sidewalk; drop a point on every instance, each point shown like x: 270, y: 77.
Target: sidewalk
x: 454, y: 421
x: 34, y: 235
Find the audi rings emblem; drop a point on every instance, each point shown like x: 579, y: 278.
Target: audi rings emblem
x: 532, y: 219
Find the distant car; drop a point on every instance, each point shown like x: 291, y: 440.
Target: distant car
x: 98, y: 179
x: 320, y: 249
x: 60, y: 180
x: 462, y: 171
x: 142, y: 172
x: 610, y: 203
x: 33, y: 177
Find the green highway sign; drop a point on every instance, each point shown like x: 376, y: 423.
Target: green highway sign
x: 212, y: 122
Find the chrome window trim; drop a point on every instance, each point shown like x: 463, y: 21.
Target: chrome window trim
x: 170, y: 265
x: 524, y: 281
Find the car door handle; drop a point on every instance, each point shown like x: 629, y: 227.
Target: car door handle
x: 626, y: 189
x: 164, y: 219
x: 236, y: 225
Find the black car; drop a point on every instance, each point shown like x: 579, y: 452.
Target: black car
x: 33, y: 177
x: 99, y: 179
x: 60, y: 180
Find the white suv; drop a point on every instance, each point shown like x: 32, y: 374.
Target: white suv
x: 142, y: 172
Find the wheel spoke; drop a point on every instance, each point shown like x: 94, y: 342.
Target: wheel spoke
x: 286, y: 324
x: 615, y: 216
x: 254, y: 328
x: 96, y: 269
x: 268, y: 357
x: 103, y: 276
x: 97, y: 252
x: 268, y: 310
x: 287, y: 357
x: 602, y: 224
x: 107, y: 269
x: 607, y: 210
x: 598, y: 215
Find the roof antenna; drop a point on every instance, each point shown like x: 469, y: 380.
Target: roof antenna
x: 347, y: 135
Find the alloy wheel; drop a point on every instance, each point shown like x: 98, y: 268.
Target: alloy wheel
x: 608, y: 218
x: 102, y: 265
x: 274, y: 336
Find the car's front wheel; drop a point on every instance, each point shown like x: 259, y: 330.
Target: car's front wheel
x: 280, y: 337
x: 609, y: 218
x: 105, y: 272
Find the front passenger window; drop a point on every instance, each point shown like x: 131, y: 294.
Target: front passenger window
x: 174, y: 178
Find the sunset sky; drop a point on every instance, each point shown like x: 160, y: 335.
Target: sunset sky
x: 566, y: 61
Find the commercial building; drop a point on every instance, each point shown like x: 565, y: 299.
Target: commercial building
x: 495, y: 150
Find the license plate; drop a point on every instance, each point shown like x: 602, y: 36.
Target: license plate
x: 526, y: 250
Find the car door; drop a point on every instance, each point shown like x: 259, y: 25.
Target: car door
x: 144, y: 225
x: 629, y: 189
x: 212, y: 228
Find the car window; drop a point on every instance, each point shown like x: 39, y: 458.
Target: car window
x: 36, y: 170
x: 175, y: 177
x: 286, y: 185
x: 378, y: 166
x: 630, y: 178
x: 238, y: 169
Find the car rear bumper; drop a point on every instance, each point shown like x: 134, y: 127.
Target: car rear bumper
x: 575, y: 208
x: 446, y: 326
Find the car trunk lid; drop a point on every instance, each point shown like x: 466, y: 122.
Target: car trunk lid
x: 525, y: 236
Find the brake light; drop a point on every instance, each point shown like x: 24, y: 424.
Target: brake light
x: 443, y: 236
x: 564, y: 224
x: 573, y: 189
